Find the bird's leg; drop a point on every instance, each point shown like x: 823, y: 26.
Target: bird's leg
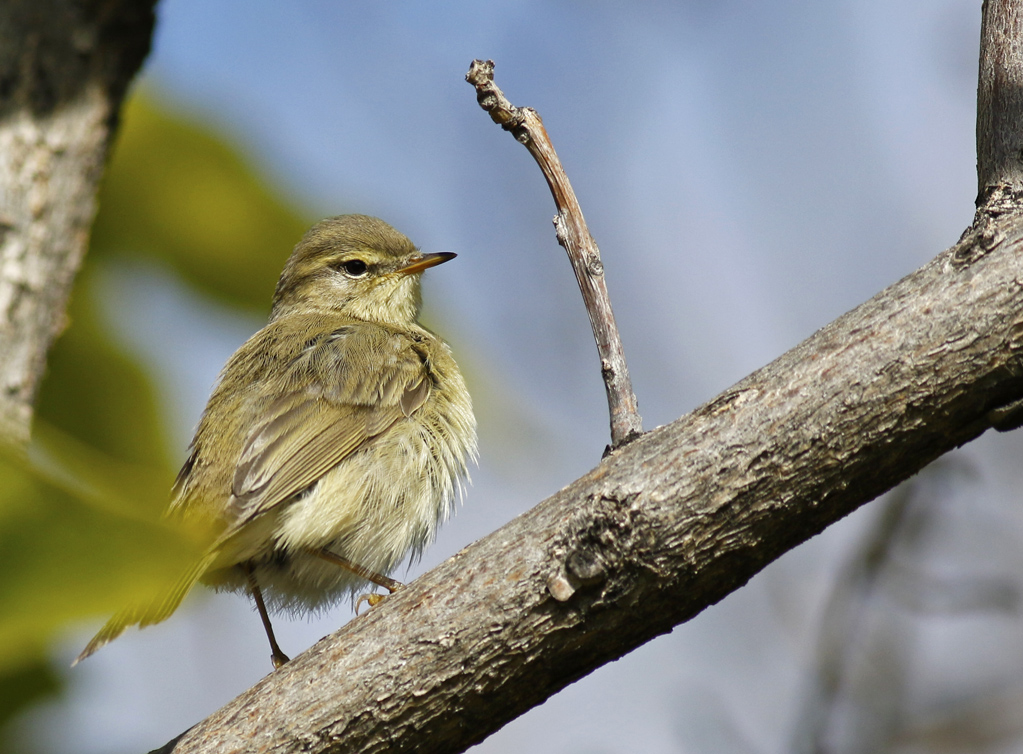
x: 386, y: 582
x: 373, y: 599
x: 277, y: 657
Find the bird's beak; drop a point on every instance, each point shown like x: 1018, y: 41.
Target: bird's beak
x: 426, y: 261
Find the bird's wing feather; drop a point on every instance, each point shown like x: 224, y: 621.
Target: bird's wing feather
x: 364, y: 379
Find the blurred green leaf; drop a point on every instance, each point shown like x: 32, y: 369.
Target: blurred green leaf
x: 20, y: 688
x: 79, y: 527
x: 176, y: 192
x: 67, y: 552
x: 97, y: 391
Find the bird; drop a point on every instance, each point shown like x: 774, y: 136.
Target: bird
x: 335, y: 438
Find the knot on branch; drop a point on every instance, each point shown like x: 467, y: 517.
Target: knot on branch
x: 979, y: 240
x: 596, y: 544
x: 999, y: 199
x: 492, y: 99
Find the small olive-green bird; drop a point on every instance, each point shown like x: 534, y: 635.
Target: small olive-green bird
x: 334, y: 440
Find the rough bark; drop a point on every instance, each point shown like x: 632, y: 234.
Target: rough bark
x: 662, y: 528
x: 686, y: 514
x: 64, y: 69
x: 1000, y: 98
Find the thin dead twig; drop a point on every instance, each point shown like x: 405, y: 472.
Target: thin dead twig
x: 525, y: 125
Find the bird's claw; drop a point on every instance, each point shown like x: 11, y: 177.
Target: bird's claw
x: 373, y: 599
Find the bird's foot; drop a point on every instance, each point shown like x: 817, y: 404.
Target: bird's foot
x: 278, y: 658
x: 373, y: 599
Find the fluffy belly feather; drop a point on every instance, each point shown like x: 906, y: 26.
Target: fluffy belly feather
x: 382, y: 503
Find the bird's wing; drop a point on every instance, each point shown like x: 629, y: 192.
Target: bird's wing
x: 356, y: 383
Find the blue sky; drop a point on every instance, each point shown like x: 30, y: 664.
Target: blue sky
x: 751, y: 171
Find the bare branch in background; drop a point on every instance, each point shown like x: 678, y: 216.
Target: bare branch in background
x: 863, y: 691
x: 574, y: 236
x: 1000, y: 100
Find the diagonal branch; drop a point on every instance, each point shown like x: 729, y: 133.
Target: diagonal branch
x: 574, y: 236
x: 663, y: 528
x: 671, y: 523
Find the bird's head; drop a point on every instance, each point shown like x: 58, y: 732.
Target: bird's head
x: 354, y: 265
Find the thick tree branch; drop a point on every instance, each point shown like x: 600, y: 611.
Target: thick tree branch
x: 64, y: 68
x: 574, y: 236
x: 672, y: 522
x: 662, y: 528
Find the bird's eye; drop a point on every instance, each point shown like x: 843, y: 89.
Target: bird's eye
x: 355, y: 268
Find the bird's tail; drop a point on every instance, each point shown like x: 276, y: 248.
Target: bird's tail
x: 146, y: 614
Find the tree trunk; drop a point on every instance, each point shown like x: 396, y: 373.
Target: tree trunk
x: 64, y: 69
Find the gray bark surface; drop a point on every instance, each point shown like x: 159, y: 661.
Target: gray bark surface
x: 679, y: 518
x: 663, y: 528
x: 1000, y: 98
x: 64, y: 68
